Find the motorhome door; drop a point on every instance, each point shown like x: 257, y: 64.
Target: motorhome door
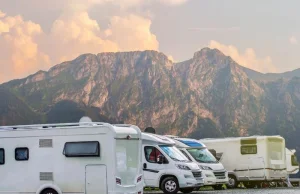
x: 95, y: 179
x: 152, y: 169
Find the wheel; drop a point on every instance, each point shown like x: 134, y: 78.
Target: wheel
x: 49, y: 191
x: 186, y: 190
x: 218, y: 187
x: 170, y: 185
x: 232, y: 182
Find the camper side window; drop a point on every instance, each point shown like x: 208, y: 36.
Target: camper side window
x: 2, y: 156
x: 248, y: 149
x: 21, y: 154
x: 151, y: 154
x: 82, y: 149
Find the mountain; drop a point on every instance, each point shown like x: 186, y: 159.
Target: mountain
x: 209, y: 95
x: 261, y: 77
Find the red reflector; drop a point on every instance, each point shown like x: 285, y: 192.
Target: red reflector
x: 139, y: 178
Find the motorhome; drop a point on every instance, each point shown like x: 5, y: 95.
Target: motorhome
x: 85, y: 157
x: 214, y: 173
x: 253, y: 160
x: 165, y: 167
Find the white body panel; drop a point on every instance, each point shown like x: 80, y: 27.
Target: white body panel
x: 217, y: 175
x: 251, y: 167
x: 154, y: 172
x: 291, y: 168
x: 48, y: 167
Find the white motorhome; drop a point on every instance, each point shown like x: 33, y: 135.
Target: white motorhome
x: 214, y: 173
x: 251, y: 160
x: 165, y: 167
x: 84, y: 157
x: 291, y: 162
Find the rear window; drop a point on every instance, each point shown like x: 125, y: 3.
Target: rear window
x: 2, y: 156
x: 249, y: 149
x: 82, y: 149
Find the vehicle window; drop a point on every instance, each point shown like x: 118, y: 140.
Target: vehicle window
x: 174, y: 153
x: 186, y: 155
x: 151, y: 154
x: 248, y: 149
x: 202, y: 155
x: 82, y: 149
x: 2, y: 156
x: 21, y: 154
x: 294, y: 161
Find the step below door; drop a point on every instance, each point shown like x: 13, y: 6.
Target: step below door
x: 95, y: 179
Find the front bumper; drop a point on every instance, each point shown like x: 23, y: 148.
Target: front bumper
x: 187, y: 179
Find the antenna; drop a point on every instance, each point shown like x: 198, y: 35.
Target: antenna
x: 85, y: 120
x: 150, y: 130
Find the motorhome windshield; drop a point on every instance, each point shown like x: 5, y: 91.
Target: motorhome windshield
x: 127, y: 154
x: 202, y: 155
x: 174, y: 153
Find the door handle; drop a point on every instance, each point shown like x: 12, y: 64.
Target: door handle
x: 145, y: 166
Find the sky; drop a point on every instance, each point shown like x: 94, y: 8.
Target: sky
x: 38, y: 34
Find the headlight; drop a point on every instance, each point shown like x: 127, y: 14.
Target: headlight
x: 204, y: 167
x: 182, y: 167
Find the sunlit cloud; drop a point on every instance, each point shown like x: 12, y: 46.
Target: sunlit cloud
x: 247, y: 58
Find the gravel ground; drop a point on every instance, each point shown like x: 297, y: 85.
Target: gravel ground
x: 245, y: 191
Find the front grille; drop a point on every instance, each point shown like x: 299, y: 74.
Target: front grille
x: 219, y: 175
x: 197, y: 174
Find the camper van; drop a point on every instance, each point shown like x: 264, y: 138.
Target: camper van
x: 251, y: 160
x: 214, y: 173
x: 165, y: 167
x: 84, y: 157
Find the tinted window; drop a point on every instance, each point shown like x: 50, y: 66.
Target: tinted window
x: 82, y: 149
x: 151, y: 154
x: 249, y: 149
x: 2, y: 156
x: 21, y: 154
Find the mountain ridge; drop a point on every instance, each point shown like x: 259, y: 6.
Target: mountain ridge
x: 209, y: 95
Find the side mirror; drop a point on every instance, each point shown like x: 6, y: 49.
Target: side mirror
x: 160, y: 159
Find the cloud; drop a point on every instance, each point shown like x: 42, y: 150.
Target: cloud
x: 215, y: 29
x: 293, y: 40
x: 2, y: 14
x: 132, y: 33
x: 247, y: 59
x: 20, y: 54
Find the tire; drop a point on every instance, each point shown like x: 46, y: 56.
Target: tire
x: 169, y: 185
x: 49, y: 191
x: 218, y: 187
x: 186, y: 190
x: 232, y: 183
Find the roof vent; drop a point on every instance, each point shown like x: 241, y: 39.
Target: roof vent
x: 85, y: 120
x: 150, y: 130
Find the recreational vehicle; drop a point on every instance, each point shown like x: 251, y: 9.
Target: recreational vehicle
x: 214, y: 173
x: 165, y: 167
x: 251, y: 160
x: 85, y: 157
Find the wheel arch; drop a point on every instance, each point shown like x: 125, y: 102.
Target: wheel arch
x: 48, y: 186
x: 163, y: 176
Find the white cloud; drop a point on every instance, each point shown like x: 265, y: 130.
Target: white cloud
x: 247, y: 59
x: 293, y: 40
x: 20, y: 54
